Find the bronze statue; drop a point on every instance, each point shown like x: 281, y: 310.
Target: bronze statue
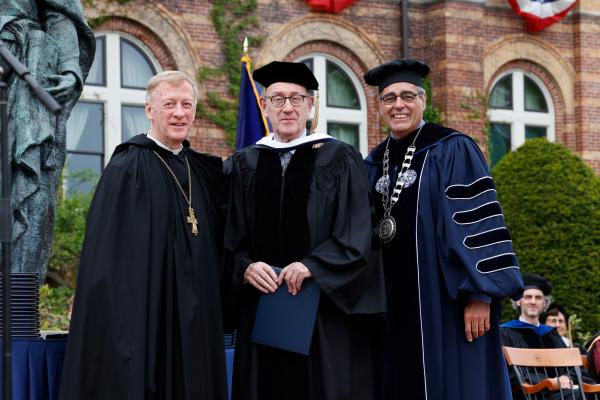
x: 53, y: 40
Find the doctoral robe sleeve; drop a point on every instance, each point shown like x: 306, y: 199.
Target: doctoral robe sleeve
x: 477, y: 258
x: 344, y: 264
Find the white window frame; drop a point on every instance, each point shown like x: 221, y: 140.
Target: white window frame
x: 337, y: 114
x: 517, y: 118
x: 112, y: 95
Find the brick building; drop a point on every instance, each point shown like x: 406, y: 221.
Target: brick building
x: 483, y: 63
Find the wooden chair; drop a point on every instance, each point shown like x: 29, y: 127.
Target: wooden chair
x: 537, y: 369
x: 585, y: 362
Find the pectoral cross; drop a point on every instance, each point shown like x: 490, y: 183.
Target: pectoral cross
x: 191, y: 219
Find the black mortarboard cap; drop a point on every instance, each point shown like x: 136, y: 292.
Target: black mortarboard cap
x: 559, y: 308
x: 535, y: 281
x: 292, y: 72
x: 400, y: 70
x: 552, y: 310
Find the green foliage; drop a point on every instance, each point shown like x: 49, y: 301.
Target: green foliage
x: 432, y: 114
x: 551, y: 201
x: 96, y: 22
x: 69, y: 228
x: 478, y: 111
x: 54, y: 306
x: 232, y: 19
x: 71, y: 213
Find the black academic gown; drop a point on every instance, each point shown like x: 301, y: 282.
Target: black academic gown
x: 319, y: 214
x: 147, y: 317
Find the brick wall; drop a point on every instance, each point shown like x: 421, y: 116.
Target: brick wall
x: 457, y: 38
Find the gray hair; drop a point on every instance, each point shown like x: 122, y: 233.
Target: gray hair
x: 171, y: 77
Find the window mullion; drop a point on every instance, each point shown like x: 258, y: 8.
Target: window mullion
x: 518, y: 92
x: 344, y: 115
x: 112, y: 125
x: 113, y: 75
x: 517, y: 134
x: 537, y: 119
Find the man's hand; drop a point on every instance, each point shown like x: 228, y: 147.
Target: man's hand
x: 564, y: 382
x: 261, y: 276
x: 293, y: 275
x: 477, y: 319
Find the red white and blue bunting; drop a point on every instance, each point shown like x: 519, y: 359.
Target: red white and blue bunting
x: 539, y: 14
x: 329, y: 6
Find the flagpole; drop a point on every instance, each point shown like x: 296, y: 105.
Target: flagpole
x: 404, y: 28
x: 247, y: 61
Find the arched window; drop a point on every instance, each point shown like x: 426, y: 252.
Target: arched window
x: 520, y: 108
x: 111, y: 107
x: 342, y: 108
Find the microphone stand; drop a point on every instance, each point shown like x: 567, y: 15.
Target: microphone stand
x: 9, y: 63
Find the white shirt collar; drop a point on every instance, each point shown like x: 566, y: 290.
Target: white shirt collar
x: 269, y: 141
x: 164, y: 146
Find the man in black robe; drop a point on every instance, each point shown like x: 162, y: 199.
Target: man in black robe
x: 301, y: 202
x: 448, y: 257
x: 147, y: 317
x: 527, y: 332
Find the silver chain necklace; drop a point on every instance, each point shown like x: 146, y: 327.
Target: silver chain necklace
x: 387, y: 225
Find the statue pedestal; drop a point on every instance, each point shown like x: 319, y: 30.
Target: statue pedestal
x: 24, y: 306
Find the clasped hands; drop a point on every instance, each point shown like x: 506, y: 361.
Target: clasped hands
x: 262, y: 276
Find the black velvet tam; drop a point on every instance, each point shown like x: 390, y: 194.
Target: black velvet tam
x: 535, y: 281
x: 279, y: 71
x: 400, y: 70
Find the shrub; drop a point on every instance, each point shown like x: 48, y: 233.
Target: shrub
x: 551, y: 201
x: 63, y: 264
x: 54, y: 305
x: 69, y: 229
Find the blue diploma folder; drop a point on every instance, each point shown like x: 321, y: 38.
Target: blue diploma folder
x: 287, y: 322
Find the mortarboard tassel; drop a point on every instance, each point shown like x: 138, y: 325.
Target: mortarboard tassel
x: 315, y: 120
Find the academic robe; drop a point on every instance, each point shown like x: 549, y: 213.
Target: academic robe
x: 147, y: 318
x: 451, y: 246
x: 318, y: 213
x: 523, y: 335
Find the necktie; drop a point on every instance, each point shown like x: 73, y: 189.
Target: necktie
x: 285, y: 160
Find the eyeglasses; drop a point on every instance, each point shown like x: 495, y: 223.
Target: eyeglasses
x: 390, y: 98
x: 296, y: 100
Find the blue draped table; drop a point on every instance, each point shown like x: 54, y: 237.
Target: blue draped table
x: 229, y: 353
x: 36, y: 368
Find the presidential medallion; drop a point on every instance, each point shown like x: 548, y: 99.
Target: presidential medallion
x: 387, y: 229
x: 409, y: 177
x: 406, y: 177
x: 382, y: 184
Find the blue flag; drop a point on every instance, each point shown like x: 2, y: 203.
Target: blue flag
x: 252, y: 124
